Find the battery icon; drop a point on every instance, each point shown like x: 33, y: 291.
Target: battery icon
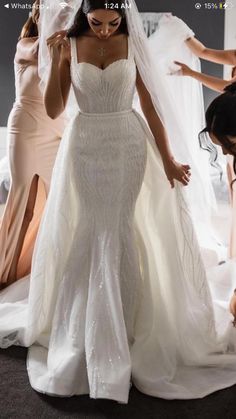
x: 221, y: 6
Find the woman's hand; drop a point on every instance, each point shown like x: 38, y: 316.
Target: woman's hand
x: 177, y: 171
x: 55, y: 43
x: 59, y: 80
x: 183, y: 71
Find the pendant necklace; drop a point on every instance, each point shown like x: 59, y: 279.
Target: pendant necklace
x: 102, y: 52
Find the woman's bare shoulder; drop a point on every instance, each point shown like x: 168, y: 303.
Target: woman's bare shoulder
x: 27, y: 49
x: 28, y: 40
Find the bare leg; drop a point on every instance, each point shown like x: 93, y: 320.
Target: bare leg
x: 25, y: 260
x: 29, y: 212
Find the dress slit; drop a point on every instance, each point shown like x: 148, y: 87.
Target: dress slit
x: 11, y: 225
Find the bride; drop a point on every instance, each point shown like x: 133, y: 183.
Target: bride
x: 118, y: 291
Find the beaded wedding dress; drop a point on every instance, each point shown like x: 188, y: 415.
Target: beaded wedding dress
x: 118, y: 291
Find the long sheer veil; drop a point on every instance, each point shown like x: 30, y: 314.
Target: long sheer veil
x: 168, y: 45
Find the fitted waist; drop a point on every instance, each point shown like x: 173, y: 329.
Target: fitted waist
x: 21, y: 100
x: 106, y: 114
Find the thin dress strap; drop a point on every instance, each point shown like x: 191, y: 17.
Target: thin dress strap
x: 130, y: 49
x: 73, y: 49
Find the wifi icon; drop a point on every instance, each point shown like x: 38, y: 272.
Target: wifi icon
x: 63, y: 4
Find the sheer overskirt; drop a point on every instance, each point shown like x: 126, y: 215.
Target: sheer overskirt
x: 176, y: 349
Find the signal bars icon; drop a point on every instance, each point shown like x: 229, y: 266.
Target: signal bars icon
x: 63, y: 4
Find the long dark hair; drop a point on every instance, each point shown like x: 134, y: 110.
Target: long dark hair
x: 81, y: 24
x: 30, y: 28
x: 221, y: 121
x: 233, y: 72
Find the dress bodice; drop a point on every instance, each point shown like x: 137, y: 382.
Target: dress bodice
x: 27, y: 80
x: 103, y: 90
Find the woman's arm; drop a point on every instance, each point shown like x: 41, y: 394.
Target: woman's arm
x: 59, y: 81
x: 214, y: 55
x: 173, y: 169
x: 211, y: 82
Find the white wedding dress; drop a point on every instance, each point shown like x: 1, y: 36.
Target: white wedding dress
x: 118, y: 291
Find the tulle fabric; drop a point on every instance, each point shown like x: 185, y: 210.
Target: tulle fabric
x: 184, y: 343
x: 168, y: 45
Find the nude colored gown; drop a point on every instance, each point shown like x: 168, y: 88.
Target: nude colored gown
x: 33, y: 140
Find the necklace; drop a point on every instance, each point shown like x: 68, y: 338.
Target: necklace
x: 102, y: 52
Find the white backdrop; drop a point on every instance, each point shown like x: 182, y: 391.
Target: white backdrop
x: 3, y: 136
x: 230, y: 32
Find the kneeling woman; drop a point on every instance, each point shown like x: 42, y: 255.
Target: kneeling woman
x: 221, y: 126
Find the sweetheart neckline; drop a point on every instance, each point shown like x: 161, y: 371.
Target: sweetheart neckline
x: 103, y: 69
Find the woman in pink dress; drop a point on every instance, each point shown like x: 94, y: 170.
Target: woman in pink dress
x: 33, y: 140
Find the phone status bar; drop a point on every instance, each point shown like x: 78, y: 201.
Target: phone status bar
x: 225, y: 5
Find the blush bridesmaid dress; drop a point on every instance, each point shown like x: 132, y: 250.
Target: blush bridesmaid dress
x: 32, y: 142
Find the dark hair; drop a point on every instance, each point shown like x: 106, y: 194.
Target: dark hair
x: 81, y: 24
x: 221, y: 121
x: 30, y: 28
x: 233, y: 72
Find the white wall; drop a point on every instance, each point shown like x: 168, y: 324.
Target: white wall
x: 230, y: 32
x: 3, y: 145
